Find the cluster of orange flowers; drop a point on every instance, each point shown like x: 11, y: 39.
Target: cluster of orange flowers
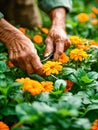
x: 3, y: 126
x: 94, y: 16
x: 35, y: 87
x: 84, y: 17
x: 95, y: 125
x: 52, y: 67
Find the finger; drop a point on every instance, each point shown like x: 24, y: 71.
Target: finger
x: 19, y: 61
x: 59, y: 49
x: 49, y: 47
x: 29, y: 68
x: 67, y: 44
x: 35, y: 62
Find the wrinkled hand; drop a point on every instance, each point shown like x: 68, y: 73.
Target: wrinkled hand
x: 23, y: 54
x: 20, y: 48
x: 57, y: 41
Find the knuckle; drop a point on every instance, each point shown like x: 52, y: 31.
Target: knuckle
x: 59, y: 52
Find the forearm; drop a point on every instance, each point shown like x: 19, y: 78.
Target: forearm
x: 58, y: 16
x: 7, y: 32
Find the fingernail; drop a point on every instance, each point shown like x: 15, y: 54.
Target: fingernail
x: 47, y: 54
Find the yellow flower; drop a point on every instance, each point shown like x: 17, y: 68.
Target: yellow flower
x: 45, y: 30
x: 95, y: 125
x: 83, y: 17
x: 63, y: 58
x: 52, y: 67
x: 78, y: 54
x: 95, y: 10
x: 3, y: 126
x: 37, y: 39
x: 32, y: 86
x: 85, y: 44
x: 47, y: 86
x: 75, y: 40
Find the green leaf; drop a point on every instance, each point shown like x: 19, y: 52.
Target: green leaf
x: 3, y: 67
x: 85, y: 79
x: 60, y: 82
x: 43, y: 97
x: 67, y: 71
x: 82, y: 124
x: 37, y: 77
x: 92, y: 75
x: 91, y: 107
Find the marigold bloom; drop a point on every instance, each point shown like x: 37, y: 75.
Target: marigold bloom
x: 47, y: 86
x: 85, y: 44
x: 75, y: 40
x: 22, y: 30
x: 78, y: 54
x: 52, y: 67
x: 32, y: 86
x: 93, y: 15
x: 95, y: 10
x: 3, y: 126
x: 69, y: 85
x: 94, y: 22
x: 45, y: 30
x: 92, y: 42
x: 63, y: 58
x: 95, y: 125
x: 83, y: 17
x: 38, y: 39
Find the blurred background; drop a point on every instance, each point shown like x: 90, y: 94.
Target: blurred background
x: 82, y: 20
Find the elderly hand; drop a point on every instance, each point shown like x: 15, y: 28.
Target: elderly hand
x: 57, y: 40
x: 20, y: 48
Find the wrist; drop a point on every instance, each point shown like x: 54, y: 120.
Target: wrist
x: 8, y: 32
x: 58, y: 16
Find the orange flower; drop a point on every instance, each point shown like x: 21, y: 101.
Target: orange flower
x: 84, y: 45
x: 52, y: 67
x: 22, y: 30
x: 45, y: 30
x: 3, y: 126
x: 69, y: 85
x: 83, y: 17
x: 37, y: 39
x: 78, y: 54
x: 95, y: 125
x: 32, y: 86
x: 92, y: 42
x: 63, y: 58
x: 95, y: 10
x: 93, y: 15
x: 10, y: 64
x: 94, y: 22
x: 47, y: 86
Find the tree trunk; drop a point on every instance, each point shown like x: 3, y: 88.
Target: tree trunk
x: 23, y: 12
